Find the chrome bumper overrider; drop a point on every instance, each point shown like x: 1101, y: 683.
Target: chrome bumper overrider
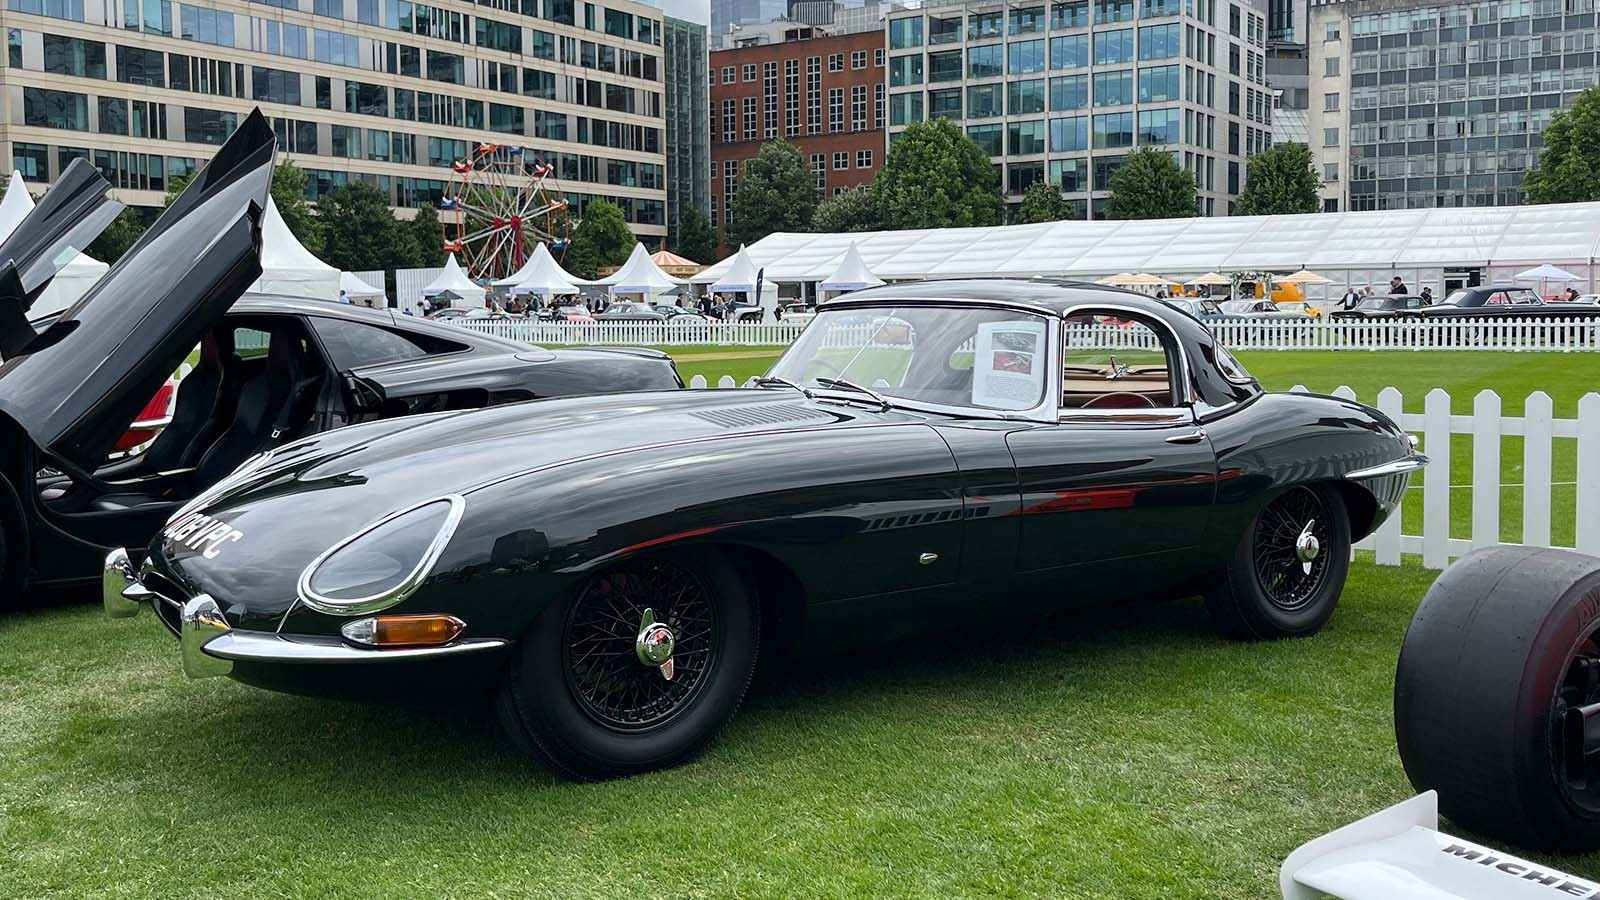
x: 1400, y: 466
x: 209, y: 646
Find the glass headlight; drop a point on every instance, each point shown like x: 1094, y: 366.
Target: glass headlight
x: 384, y: 563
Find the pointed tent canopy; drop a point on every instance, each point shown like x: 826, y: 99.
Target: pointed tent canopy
x: 356, y: 289
x: 640, y: 275
x: 669, y: 261
x: 74, y: 279
x: 1302, y: 277
x: 1547, y: 272
x: 453, y: 282
x: 542, y: 275
x: 852, y: 274
x: 740, y: 277
x: 287, y: 267
x: 1210, y: 278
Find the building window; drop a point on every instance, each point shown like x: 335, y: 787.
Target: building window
x: 1113, y: 88
x: 791, y: 97
x: 877, y: 105
x: 730, y: 121
x: 985, y: 101
x: 819, y: 165
x: 985, y: 25
x: 1159, y: 41
x: 1158, y: 126
x: 729, y: 74
x: 858, y: 107
x: 841, y: 159
x: 1113, y: 130
x: 68, y: 56
x: 1025, y: 97
x: 1069, y: 133
x: 904, y: 70
x: 836, y: 62
x: 1112, y: 47
x: 1330, y: 204
x: 988, y: 137
x: 1330, y: 137
x: 877, y: 57
x: 984, y: 62
x: 858, y: 59
x: 730, y: 184
x: 1108, y: 11
x: 1025, y: 57
x: 1024, y: 138
x: 1330, y: 102
x: 905, y: 108
x: 769, y: 99
x: 749, y: 71
x: 1332, y: 34
x: 863, y: 159
x: 1069, y: 92
x: 1019, y: 176
x: 749, y: 118
x: 905, y: 33
x: 1158, y: 84
x: 944, y: 66
x: 1330, y: 172
x: 55, y: 109
x: 1069, y: 14
x: 814, y: 93
x: 1069, y: 51
x: 944, y: 104
x: 835, y: 110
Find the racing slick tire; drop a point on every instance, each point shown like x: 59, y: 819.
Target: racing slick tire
x: 1269, y: 589
x: 1495, y: 670
x: 589, y: 690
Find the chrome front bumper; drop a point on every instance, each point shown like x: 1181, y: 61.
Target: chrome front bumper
x: 209, y: 646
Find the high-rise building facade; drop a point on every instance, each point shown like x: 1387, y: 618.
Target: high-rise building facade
x: 688, y: 113
x: 727, y: 13
x: 1064, y: 89
x: 1425, y: 104
x: 381, y: 91
x: 824, y: 94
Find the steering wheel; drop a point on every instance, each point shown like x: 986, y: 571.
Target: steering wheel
x: 1120, y: 400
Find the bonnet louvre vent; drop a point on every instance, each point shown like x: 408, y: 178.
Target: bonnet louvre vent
x: 765, y: 414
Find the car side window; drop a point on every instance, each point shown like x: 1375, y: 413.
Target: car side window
x: 353, y: 344
x: 249, y: 343
x: 1116, y: 361
x: 1497, y: 299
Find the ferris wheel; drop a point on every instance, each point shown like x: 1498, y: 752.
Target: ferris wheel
x: 496, y: 206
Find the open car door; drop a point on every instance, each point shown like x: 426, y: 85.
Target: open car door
x: 76, y: 386
x: 69, y: 216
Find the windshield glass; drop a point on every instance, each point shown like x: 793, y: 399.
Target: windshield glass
x: 1238, y: 306
x: 973, y: 357
x: 1373, y: 303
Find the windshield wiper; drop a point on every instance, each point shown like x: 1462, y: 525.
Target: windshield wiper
x: 767, y: 380
x: 852, y: 386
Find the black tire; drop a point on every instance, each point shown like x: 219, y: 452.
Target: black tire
x: 1287, y: 602
x: 1480, y: 688
x: 596, y: 711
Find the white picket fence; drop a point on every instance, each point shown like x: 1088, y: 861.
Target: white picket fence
x: 1249, y: 334
x: 1539, y: 429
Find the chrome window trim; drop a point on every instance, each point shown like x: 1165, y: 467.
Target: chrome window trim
x: 407, y: 586
x: 1186, y: 386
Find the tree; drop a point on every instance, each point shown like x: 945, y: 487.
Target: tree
x: 289, y: 193
x: 1041, y: 202
x: 362, y: 233
x: 1149, y: 185
x: 696, y: 239
x: 852, y: 210
x: 121, y: 234
x: 1568, y: 170
x: 777, y: 192
x: 602, y: 238
x: 936, y: 177
x: 427, y: 237
x: 1280, y: 181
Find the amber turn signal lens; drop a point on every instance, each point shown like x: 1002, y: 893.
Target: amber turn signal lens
x: 403, y: 631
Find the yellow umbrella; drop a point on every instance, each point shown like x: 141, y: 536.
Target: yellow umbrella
x: 1120, y: 278
x: 1210, y: 278
x: 1302, y: 277
x: 1144, y: 278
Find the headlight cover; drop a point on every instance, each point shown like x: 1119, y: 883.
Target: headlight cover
x: 383, y: 563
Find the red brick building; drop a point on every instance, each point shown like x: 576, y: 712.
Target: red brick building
x: 824, y: 94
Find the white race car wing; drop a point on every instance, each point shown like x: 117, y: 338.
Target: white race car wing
x: 1399, y: 854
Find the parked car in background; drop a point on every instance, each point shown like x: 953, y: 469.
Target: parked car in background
x: 630, y: 311
x: 1261, y: 309
x: 681, y: 315
x: 994, y: 450
x: 1384, y: 306
x: 1203, y: 308
x: 798, y: 312
x: 270, y: 369
x: 1504, y: 302
x: 1302, y: 307
x: 1588, y: 299
x: 568, y: 313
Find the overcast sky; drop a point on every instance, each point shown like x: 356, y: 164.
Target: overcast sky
x: 688, y: 10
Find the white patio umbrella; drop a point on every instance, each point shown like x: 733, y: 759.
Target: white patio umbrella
x: 1545, y: 274
x: 1210, y: 278
x: 1302, y: 277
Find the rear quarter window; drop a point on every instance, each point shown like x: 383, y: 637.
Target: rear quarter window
x: 353, y: 345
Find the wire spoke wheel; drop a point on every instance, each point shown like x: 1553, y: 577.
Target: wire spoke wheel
x: 603, y: 667
x: 498, y: 204
x: 1288, y: 581
x: 1577, y: 762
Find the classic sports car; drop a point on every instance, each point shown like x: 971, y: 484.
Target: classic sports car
x: 1263, y: 309
x: 1505, y: 302
x: 616, y: 564
x: 270, y: 368
x: 1384, y: 306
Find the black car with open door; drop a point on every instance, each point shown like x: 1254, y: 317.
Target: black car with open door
x: 269, y: 370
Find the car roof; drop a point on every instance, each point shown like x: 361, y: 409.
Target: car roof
x: 284, y: 305
x: 1047, y: 294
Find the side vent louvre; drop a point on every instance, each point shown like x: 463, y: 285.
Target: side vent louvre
x: 764, y: 414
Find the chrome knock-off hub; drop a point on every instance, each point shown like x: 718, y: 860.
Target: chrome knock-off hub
x: 655, y: 644
x: 1306, y: 547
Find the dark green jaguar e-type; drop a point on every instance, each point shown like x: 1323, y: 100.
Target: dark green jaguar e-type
x: 924, y: 456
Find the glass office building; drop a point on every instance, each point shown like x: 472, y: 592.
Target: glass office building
x: 1428, y: 104
x: 688, y: 111
x: 1061, y: 90
x: 382, y: 91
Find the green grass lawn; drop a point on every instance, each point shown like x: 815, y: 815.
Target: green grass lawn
x: 1128, y: 753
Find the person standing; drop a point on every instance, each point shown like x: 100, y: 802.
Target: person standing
x: 1351, y: 299
x: 343, y: 297
x: 1427, y: 294
x: 1396, y: 286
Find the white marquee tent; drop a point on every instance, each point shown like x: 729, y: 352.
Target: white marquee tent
x: 851, y: 275
x: 75, y: 278
x: 541, y: 275
x: 287, y: 267
x: 641, y: 275
x: 1351, y: 248
x: 453, y: 282
x: 359, y: 292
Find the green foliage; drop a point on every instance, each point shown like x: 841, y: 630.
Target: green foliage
x: 936, y: 177
x: 1568, y: 170
x: 1041, y: 202
x: 362, y: 233
x: 777, y: 192
x: 1149, y: 185
x: 602, y: 238
x: 1280, y: 181
x: 696, y: 239
x: 289, y: 193
x: 852, y: 210
x: 121, y: 234
x: 175, y: 186
x: 427, y: 237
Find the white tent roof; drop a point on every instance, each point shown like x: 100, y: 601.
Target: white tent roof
x: 74, y: 279
x: 852, y: 274
x: 1547, y: 271
x: 640, y: 275
x: 541, y: 274
x: 741, y: 276
x: 1561, y: 233
x: 454, y: 281
x: 287, y: 267
x: 353, y: 286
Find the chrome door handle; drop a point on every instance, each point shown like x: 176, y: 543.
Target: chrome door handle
x: 1193, y: 437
